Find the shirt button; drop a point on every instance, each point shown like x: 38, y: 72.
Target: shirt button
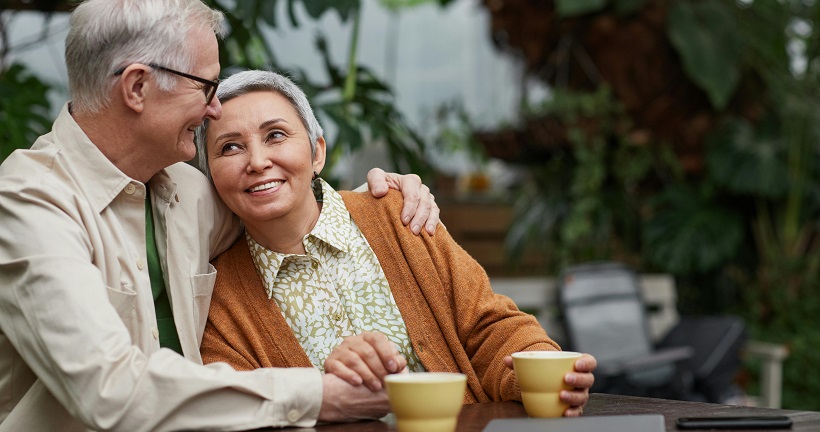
x: 155, y: 332
x: 337, y: 316
x: 130, y: 189
x: 293, y: 416
x: 315, y: 265
x: 140, y: 264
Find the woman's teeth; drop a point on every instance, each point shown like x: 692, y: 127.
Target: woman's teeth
x: 265, y: 186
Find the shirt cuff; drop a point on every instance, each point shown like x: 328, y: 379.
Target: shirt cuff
x: 298, y: 397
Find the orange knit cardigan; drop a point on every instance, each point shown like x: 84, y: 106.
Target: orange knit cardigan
x: 455, y: 321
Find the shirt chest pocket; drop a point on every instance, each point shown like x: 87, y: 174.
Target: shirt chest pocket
x: 202, y: 286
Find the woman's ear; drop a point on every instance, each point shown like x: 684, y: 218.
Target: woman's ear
x: 133, y: 86
x: 321, y: 153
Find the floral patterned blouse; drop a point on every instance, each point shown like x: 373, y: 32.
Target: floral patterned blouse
x: 337, y: 289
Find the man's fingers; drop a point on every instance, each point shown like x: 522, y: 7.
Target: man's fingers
x: 433, y: 220
x: 377, y: 182
x: 424, y: 207
x: 412, y: 189
x: 420, y: 210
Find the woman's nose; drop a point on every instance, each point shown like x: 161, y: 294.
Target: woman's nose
x: 258, y: 161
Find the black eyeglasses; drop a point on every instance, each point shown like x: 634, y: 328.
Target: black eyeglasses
x: 209, y: 89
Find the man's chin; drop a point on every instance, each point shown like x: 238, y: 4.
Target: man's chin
x: 188, y: 150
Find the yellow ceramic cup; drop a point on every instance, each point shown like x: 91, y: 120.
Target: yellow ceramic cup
x: 426, y: 401
x: 540, y: 375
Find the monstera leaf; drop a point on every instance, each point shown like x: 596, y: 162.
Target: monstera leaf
x: 747, y: 163
x: 705, y: 34
x: 24, y: 109
x: 691, y: 232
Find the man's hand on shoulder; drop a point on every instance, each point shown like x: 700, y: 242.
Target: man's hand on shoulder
x: 420, y: 208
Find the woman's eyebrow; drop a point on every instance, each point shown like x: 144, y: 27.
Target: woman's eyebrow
x: 271, y: 122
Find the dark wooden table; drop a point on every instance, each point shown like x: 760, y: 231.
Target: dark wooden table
x: 474, y: 418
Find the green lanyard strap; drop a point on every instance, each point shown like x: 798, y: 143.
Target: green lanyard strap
x: 168, y: 336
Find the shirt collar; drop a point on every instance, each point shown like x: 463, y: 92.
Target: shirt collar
x: 264, y: 258
x: 100, y: 179
x: 333, y: 226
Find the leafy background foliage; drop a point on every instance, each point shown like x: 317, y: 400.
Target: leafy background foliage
x: 739, y: 226
x: 359, y: 105
x: 24, y: 109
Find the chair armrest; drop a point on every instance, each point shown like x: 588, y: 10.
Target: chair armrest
x: 768, y: 352
x: 771, y: 372
x: 663, y: 356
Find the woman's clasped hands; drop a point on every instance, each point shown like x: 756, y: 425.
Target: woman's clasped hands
x: 365, y: 359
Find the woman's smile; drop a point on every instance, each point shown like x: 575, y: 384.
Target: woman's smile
x: 266, y: 186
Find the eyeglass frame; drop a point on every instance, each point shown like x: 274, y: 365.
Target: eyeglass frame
x: 209, y: 95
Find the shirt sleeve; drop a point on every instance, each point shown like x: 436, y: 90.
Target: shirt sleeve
x: 65, y: 323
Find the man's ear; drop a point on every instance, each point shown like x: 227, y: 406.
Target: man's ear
x: 321, y: 153
x: 133, y: 86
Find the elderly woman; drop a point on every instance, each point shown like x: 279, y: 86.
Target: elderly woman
x: 323, y: 277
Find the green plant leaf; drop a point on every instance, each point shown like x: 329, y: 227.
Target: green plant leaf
x: 24, y: 109
x: 705, y: 35
x: 691, y: 233
x: 316, y: 8
x: 627, y: 7
x: 267, y: 11
x: 745, y: 163
x: 397, y: 5
x: 569, y: 8
x: 249, y: 9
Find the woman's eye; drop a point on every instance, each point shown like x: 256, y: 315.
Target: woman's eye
x: 275, y: 135
x: 228, y: 148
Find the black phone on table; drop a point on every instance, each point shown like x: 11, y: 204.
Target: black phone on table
x: 736, y: 422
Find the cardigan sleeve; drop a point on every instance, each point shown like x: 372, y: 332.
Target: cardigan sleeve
x: 480, y: 327
x: 490, y: 326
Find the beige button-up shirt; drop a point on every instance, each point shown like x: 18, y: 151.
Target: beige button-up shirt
x: 78, y: 337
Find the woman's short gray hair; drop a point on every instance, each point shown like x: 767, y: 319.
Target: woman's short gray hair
x: 106, y: 35
x: 249, y: 81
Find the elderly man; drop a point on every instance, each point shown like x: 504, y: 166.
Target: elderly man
x: 105, y: 241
